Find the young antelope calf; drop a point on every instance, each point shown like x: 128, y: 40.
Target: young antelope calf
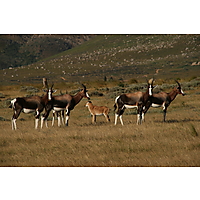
x: 98, y: 110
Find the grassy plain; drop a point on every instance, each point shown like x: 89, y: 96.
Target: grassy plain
x: 154, y: 143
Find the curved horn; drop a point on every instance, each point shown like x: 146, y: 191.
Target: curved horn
x: 178, y: 83
x: 45, y: 83
x: 83, y: 86
x: 151, y: 81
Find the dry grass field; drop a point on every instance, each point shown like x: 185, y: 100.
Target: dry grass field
x: 154, y: 143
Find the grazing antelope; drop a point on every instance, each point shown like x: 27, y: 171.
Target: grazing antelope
x: 98, y: 110
x: 65, y: 102
x: 163, y: 99
x: 133, y: 100
x: 29, y: 105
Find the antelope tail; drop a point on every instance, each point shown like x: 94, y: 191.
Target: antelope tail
x: 115, y: 106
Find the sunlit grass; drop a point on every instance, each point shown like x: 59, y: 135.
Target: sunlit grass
x: 154, y: 143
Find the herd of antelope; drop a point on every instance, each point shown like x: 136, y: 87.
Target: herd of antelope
x: 62, y: 105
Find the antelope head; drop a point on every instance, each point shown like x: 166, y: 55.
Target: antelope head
x: 49, y: 91
x: 85, y: 94
x: 150, y: 86
x: 180, y: 91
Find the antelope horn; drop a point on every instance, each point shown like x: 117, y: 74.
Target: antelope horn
x: 45, y: 83
x: 178, y: 83
x: 151, y: 81
x: 83, y: 86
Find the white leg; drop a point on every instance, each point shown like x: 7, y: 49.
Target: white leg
x: 36, y: 123
x: 120, y: 117
x: 59, y: 123
x: 138, y: 119
x: 62, y: 118
x: 42, y: 121
x: 116, y: 116
x: 46, y: 123
x: 53, y: 120
x: 66, y: 122
x: 143, y: 117
x: 14, y: 125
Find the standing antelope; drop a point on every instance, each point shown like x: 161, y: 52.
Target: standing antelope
x: 163, y: 99
x: 133, y: 100
x: 29, y: 105
x: 65, y: 102
x: 98, y: 110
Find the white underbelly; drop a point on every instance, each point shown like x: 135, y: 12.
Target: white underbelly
x: 58, y: 109
x: 156, y: 105
x: 130, y: 106
x: 26, y: 110
x: 98, y: 113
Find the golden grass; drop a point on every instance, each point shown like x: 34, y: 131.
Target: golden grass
x: 154, y: 143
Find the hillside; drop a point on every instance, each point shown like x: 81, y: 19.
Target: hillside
x: 116, y: 57
x: 18, y: 50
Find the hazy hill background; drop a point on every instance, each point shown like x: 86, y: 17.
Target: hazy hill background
x: 26, y: 58
x: 17, y: 50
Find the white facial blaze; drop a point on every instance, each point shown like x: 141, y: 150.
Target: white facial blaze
x: 182, y: 92
x: 49, y: 95
x: 87, y: 95
x: 150, y: 90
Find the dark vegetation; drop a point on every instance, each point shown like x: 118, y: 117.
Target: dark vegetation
x: 18, y: 50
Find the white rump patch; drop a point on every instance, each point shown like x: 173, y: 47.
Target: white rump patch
x: 116, y: 99
x: 13, y: 101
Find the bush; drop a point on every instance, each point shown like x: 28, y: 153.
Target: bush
x: 29, y: 89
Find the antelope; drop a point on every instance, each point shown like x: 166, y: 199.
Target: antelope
x: 66, y: 102
x: 29, y: 105
x: 98, y: 110
x: 163, y: 100
x: 133, y: 100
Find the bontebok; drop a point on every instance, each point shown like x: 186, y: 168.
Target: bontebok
x: 29, y: 105
x: 133, y: 100
x: 65, y: 102
x: 163, y: 100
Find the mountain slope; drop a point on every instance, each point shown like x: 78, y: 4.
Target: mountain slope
x: 17, y: 50
x: 118, y: 56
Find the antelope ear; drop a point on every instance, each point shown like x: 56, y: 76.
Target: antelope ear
x: 54, y: 91
x: 45, y: 90
x: 155, y: 86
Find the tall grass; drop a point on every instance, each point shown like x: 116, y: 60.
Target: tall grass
x: 154, y: 143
